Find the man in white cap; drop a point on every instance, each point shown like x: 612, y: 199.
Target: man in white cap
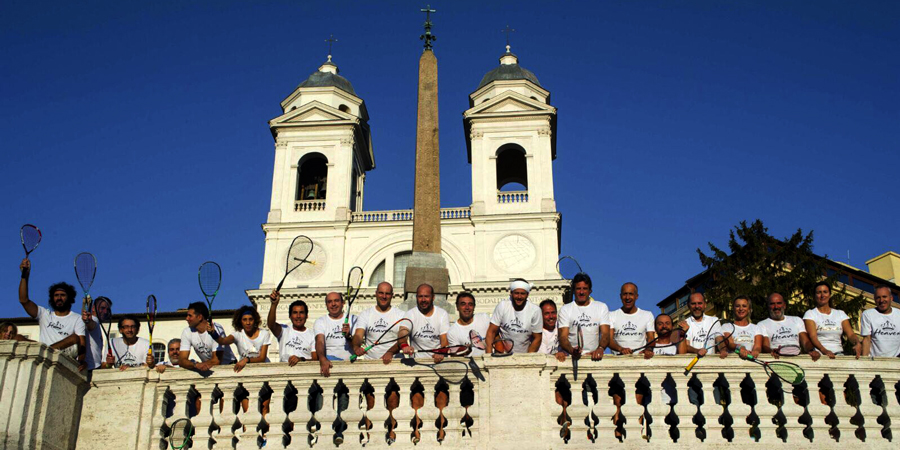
x: 517, y: 320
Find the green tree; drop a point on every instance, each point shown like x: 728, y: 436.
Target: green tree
x: 757, y: 264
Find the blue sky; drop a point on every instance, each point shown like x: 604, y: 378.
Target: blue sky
x: 138, y: 131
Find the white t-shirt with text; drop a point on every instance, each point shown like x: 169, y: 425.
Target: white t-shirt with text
x: 296, y: 343
x: 885, y: 331
x: 204, y: 345
x: 459, y: 334
x: 698, y: 331
x: 336, y: 345
x: 375, y: 323
x: 549, y: 341
x: 94, y: 339
x: 518, y: 326
x: 427, y: 330
x: 55, y: 328
x: 130, y: 355
x: 745, y: 335
x: 783, y: 332
x: 630, y: 330
x: 828, y: 328
x: 589, y: 318
x: 250, y: 348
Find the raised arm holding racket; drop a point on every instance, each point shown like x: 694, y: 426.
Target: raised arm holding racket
x: 151, y: 322
x: 210, y: 277
x: 85, y: 271
x: 298, y: 253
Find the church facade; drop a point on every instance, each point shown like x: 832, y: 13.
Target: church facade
x: 324, y: 152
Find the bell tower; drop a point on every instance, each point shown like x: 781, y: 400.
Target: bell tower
x: 510, y: 131
x: 323, y: 149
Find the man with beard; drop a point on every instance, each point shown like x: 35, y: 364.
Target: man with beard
x: 519, y: 320
x: 129, y: 349
x: 173, y: 349
x: 699, y: 326
x: 662, y: 346
x: 200, y: 335
x: 782, y: 330
x: 588, y: 315
x: 296, y: 342
x: 881, y: 326
x: 460, y: 331
x: 61, y: 329
x: 550, y: 334
x: 332, y: 342
x: 630, y: 327
x: 373, y: 322
x: 430, y: 325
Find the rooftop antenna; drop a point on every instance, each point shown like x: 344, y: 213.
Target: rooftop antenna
x: 331, y: 40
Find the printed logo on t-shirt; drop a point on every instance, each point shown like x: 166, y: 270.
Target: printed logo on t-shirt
x: 784, y: 333
x: 56, y: 325
x: 426, y: 333
x: 886, y: 329
x: 129, y: 360
x: 379, y: 326
x: 515, y: 326
x: 743, y: 337
x: 296, y: 343
x: 828, y: 325
x: 629, y: 329
x: 585, y: 321
x: 335, y: 333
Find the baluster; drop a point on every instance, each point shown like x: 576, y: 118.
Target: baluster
x: 276, y: 417
x: 764, y: 410
x: 223, y: 414
x: 631, y: 409
x: 792, y: 412
x: 301, y: 415
x: 327, y: 414
x: 685, y: 410
x: 817, y: 410
x: 711, y: 408
x: 203, y: 421
x: 738, y: 409
x: 843, y: 409
x: 453, y: 412
x: 578, y: 411
x: 870, y: 410
x: 657, y: 409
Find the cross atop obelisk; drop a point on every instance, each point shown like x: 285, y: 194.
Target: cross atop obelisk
x: 426, y: 265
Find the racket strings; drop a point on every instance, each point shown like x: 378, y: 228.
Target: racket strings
x: 31, y: 237
x: 85, y: 270
x: 299, y: 252
x: 210, y: 278
x: 788, y: 372
x: 788, y: 350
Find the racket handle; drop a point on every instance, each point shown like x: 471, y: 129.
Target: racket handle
x: 737, y: 351
x: 365, y: 350
x: 691, y: 365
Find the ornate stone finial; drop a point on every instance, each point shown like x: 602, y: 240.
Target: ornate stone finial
x: 428, y: 37
x: 507, y: 30
x: 331, y: 40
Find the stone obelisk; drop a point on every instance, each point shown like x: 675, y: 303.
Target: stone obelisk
x: 426, y: 265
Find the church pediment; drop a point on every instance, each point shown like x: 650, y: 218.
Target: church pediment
x: 312, y: 112
x: 510, y: 102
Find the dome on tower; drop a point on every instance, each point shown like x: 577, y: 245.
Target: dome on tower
x: 509, y: 70
x: 327, y: 76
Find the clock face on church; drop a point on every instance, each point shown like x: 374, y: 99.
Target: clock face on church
x: 318, y: 259
x: 514, y: 253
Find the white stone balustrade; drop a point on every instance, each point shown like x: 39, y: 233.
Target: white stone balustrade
x: 401, y: 215
x: 526, y: 402
x: 512, y: 197
x: 309, y: 205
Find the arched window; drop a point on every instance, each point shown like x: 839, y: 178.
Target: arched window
x: 377, y: 275
x: 512, y: 170
x: 159, y: 352
x: 344, y: 108
x: 312, y: 177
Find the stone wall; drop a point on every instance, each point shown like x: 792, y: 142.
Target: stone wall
x: 40, y: 399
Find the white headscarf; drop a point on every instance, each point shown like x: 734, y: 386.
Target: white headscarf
x: 520, y: 284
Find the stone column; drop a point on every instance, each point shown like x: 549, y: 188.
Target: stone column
x: 426, y: 265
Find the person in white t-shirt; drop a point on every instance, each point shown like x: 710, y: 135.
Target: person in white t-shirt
x: 517, y: 320
x: 295, y: 342
x: 702, y: 331
x: 587, y: 314
x: 460, y: 330
x: 825, y: 325
x: 430, y: 325
x: 173, y: 349
x: 129, y: 349
x: 199, y: 336
x: 60, y: 329
x: 373, y: 322
x: 332, y: 334
x: 251, y: 341
x: 93, y: 333
x: 630, y: 327
x: 880, y: 327
x: 747, y: 337
x: 781, y: 330
x: 549, y: 332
